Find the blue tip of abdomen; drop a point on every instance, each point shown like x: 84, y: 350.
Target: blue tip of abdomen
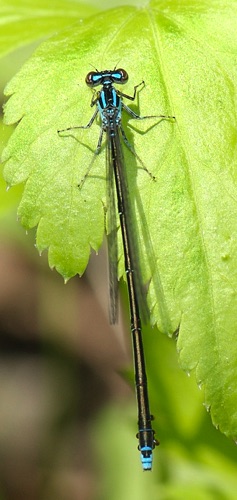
x: 146, y: 457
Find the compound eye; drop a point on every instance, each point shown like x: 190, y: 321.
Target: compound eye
x: 124, y: 75
x: 93, y: 79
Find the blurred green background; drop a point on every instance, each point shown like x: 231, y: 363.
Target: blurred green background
x: 67, y: 414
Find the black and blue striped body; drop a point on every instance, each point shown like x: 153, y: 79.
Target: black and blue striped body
x: 109, y: 105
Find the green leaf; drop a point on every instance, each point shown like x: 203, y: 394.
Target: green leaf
x: 9, y: 201
x: 185, y: 52
x: 24, y: 21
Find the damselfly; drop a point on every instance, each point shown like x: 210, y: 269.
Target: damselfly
x: 109, y: 105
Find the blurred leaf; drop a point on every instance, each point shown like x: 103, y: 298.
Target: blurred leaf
x: 24, y: 21
x: 191, y: 462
